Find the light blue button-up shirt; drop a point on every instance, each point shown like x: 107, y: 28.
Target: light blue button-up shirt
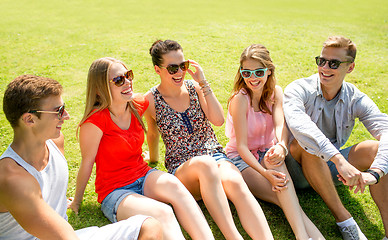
x: 303, y: 104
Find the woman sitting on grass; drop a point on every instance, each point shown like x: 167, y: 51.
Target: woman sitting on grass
x: 111, y: 134
x: 182, y: 112
x: 258, y: 137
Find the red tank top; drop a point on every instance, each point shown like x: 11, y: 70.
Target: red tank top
x: 119, y: 161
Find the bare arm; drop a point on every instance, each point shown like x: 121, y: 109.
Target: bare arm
x: 90, y: 136
x: 281, y: 131
x: 20, y: 194
x: 209, y: 103
x: 238, y: 109
x: 278, y: 152
x: 152, y: 131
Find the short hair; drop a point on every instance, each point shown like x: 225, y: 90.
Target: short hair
x: 342, y: 42
x: 25, y: 93
x: 159, y: 48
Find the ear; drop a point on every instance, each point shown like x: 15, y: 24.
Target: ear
x: 351, y: 67
x: 157, y: 69
x: 28, y: 119
x: 269, y: 72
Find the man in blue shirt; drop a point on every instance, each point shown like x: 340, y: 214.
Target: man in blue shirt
x: 320, y: 111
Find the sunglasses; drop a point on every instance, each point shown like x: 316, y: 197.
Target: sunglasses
x: 260, y: 72
x: 333, y: 63
x: 60, y: 112
x: 120, y: 80
x: 173, y: 68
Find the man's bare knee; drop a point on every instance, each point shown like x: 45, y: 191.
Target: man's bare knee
x: 151, y: 229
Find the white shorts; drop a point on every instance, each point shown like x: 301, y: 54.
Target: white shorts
x: 128, y: 229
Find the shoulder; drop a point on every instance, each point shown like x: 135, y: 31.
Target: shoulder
x: 149, y: 96
x: 140, y: 99
x: 15, y: 183
x: 302, y: 88
x: 141, y: 103
x: 99, y: 118
x: 278, y: 90
x: 239, y: 102
x: 351, y: 90
x: 307, y: 83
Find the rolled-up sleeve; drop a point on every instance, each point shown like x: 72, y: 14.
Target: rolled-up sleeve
x: 304, y: 130
x: 376, y: 123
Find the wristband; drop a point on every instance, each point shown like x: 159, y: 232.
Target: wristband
x: 203, y: 83
x: 284, y: 147
x: 374, y: 174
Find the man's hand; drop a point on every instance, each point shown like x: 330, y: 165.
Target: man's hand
x: 348, y: 174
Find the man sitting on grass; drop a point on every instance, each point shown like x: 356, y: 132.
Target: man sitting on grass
x: 320, y: 111
x: 34, y: 173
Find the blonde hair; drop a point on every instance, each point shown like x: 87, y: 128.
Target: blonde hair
x: 342, y: 42
x: 261, y: 54
x: 98, y: 95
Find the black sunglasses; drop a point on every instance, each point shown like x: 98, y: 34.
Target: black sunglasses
x: 60, y: 112
x: 333, y: 63
x: 120, y: 80
x: 173, y: 68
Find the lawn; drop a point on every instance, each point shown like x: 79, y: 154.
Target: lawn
x: 60, y: 39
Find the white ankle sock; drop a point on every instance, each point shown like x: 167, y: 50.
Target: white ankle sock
x: 347, y: 222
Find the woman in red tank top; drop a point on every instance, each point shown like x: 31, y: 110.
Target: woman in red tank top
x: 111, y: 135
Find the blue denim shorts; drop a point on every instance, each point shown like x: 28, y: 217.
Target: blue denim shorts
x: 218, y: 156
x: 111, y: 202
x: 242, y: 165
x: 296, y: 173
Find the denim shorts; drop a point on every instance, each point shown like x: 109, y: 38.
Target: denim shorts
x: 242, y: 165
x: 296, y: 173
x: 111, y: 202
x: 218, y: 156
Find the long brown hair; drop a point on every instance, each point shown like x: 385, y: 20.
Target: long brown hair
x: 98, y: 95
x: 260, y: 53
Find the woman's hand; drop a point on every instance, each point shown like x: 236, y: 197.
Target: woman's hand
x: 146, y: 156
x: 277, y: 179
x: 274, y: 156
x: 198, y: 75
x: 73, y: 205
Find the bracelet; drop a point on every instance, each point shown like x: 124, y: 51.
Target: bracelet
x: 203, y: 83
x: 284, y: 147
x: 374, y: 174
x: 207, y: 92
x: 205, y: 86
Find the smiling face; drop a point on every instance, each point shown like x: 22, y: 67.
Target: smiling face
x: 119, y: 93
x: 254, y: 83
x: 172, y: 57
x: 332, y: 79
x: 48, y: 124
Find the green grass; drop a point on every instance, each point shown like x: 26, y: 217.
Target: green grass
x: 60, y: 39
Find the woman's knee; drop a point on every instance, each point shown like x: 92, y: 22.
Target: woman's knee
x: 232, y: 181
x: 164, y: 213
x: 205, y: 165
x: 151, y: 229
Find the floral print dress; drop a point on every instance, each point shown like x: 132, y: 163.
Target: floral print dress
x: 185, y: 134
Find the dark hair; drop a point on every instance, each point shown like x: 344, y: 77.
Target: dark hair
x: 25, y: 93
x: 159, y: 48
